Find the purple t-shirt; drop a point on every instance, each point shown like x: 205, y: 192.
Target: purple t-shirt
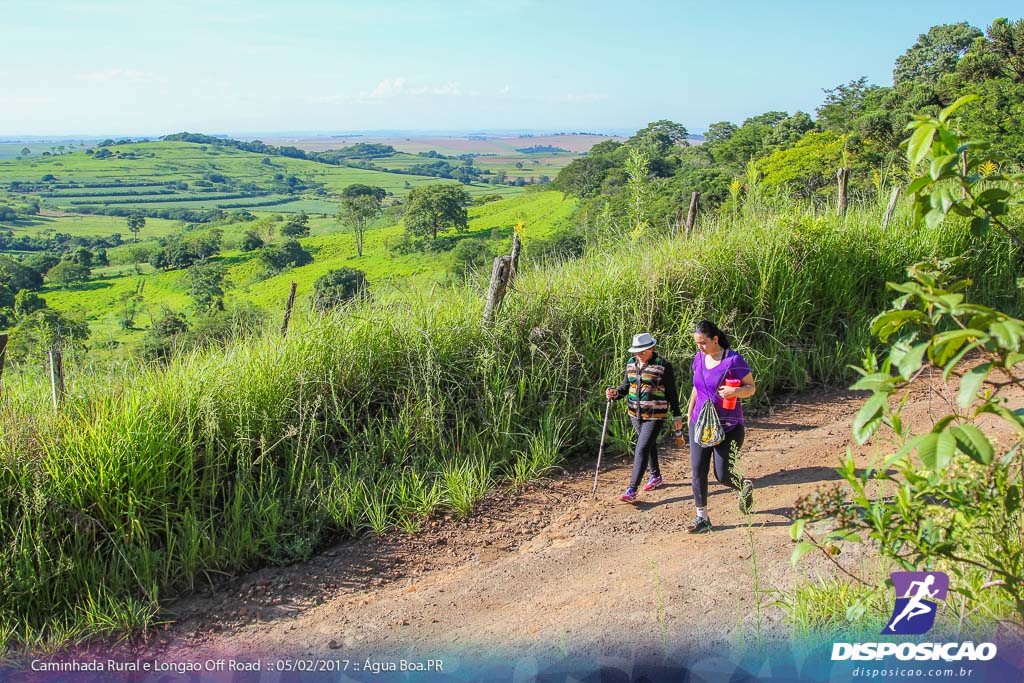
x: 706, y: 382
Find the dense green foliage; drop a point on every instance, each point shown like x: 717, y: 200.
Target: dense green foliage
x: 45, y: 329
x: 337, y: 287
x: 284, y: 255
x: 957, y: 505
x: 435, y: 208
x: 359, y: 206
x: 858, y: 126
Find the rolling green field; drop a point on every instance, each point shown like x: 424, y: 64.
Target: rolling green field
x: 90, y: 226
x: 12, y: 150
x: 331, y: 246
x: 180, y: 175
x: 531, y: 165
x: 186, y: 175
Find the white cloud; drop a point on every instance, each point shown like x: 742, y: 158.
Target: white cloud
x: 386, y: 89
x: 117, y: 76
x: 449, y: 89
x: 391, y: 88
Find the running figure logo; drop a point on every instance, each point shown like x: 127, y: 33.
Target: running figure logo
x: 915, y: 608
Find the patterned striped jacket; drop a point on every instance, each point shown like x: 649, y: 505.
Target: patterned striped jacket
x: 650, y: 390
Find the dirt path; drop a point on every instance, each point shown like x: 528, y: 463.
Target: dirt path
x: 549, y: 571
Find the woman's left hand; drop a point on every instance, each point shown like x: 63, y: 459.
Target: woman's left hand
x: 729, y: 392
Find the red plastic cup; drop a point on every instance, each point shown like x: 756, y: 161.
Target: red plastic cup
x: 730, y: 403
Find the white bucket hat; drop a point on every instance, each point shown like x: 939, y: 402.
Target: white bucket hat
x: 642, y: 342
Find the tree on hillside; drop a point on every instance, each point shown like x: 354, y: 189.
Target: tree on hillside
x: 807, y: 167
x: 337, y: 287
x: 164, y: 336
x: 434, y: 208
x: 359, y: 190
x: 206, y: 286
x: 287, y: 254
x: 999, y: 55
x: 935, y: 53
x: 27, y: 303
x: 468, y: 255
x: 296, y: 226
x: 15, y: 276
x: 659, y: 137
x: 357, y: 212
x: 180, y: 253
x: 25, y: 151
x: 583, y: 176
x: 41, y: 262
x: 844, y: 104
x: 44, y: 329
x: 250, y: 241
x: 136, y: 222
x: 67, y: 273
x: 81, y: 256
x: 717, y: 133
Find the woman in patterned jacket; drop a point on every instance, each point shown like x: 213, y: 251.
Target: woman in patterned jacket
x: 649, y: 386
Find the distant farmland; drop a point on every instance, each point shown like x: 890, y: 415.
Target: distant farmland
x: 179, y: 175
x: 453, y: 145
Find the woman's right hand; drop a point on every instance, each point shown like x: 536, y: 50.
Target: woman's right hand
x: 611, y: 393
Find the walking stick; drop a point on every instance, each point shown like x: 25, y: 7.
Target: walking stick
x: 604, y: 428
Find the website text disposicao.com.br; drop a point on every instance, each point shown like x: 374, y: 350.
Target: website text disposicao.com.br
x: 899, y: 672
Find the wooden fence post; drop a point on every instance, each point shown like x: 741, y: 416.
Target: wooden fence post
x: 499, y: 285
x: 56, y: 376
x: 288, y: 309
x: 891, y: 209
x: 517, y: 246
x: 502, y: 273
x: 842, y: 176
x: 3, y: 355
x: 691, y: 215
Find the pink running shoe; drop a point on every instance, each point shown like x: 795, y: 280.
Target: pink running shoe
x: 629, y: 496
x: 654, y: 483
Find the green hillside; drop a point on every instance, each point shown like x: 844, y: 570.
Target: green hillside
x: 331, y: 246
x: 167, y: 175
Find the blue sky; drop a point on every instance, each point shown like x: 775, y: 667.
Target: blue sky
x: 154, y: 67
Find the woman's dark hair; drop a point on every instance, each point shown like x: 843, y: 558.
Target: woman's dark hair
x: 709, y: 330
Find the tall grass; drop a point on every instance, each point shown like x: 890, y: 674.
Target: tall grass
x: 145, y: 483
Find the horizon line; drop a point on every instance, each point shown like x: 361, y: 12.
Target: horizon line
x: 368, y: 132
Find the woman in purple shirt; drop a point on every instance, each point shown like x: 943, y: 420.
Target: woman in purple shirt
x: 713, y: 364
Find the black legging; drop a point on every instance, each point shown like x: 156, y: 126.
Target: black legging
x: 700, y: 462
x: 646, y: 449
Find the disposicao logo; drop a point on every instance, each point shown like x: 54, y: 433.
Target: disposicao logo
x: 914, y: 614
x: 915, y: 608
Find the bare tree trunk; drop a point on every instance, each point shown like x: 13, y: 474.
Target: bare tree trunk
x: 56, y: 376
x: 842, y: 176
x: 499, y: 285
x: 891, y: 209
x: 691, y: 215
x: 288, y: 309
